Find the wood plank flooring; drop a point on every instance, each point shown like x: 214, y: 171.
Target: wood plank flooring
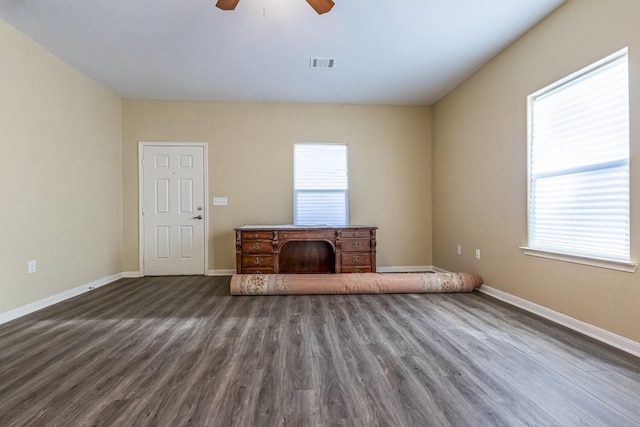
x: 180, y: 351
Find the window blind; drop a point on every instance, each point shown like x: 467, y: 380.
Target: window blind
x: 321, y: 184
x: 579, y: 163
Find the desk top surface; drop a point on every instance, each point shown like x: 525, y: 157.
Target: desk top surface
x: 301, y: 227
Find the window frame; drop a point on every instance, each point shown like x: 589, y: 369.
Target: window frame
x: 552, y: 252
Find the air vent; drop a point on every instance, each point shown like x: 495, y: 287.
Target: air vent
x: 322, y: 63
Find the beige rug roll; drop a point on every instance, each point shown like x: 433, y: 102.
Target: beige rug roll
x: 360, y: 283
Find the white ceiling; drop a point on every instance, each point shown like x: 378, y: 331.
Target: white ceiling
x: 408, y: 52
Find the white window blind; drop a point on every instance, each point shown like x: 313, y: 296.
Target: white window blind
x: 579, y: 163
x: 320, y: 184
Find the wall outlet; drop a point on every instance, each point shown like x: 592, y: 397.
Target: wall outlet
x: 477, y: 253
x: 31, y: 266
x: 459, y: 250
x: 220, y: 201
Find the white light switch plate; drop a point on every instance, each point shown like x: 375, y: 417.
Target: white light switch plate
x: 220, y: 201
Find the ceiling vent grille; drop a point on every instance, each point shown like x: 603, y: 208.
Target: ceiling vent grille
x: 325, y: 63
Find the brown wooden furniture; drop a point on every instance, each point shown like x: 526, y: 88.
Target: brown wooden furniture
x: 294, y: 249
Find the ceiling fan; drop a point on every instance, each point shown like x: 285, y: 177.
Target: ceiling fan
x: 320, y: 6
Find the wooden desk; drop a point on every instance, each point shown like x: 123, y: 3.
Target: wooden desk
x: 301, y: 249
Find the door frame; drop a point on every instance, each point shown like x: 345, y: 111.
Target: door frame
x: 205, y: 172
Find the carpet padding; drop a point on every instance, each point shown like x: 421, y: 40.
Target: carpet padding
x: 360, y: 283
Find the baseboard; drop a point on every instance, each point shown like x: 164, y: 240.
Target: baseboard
x: 617, y: 341
x: 221, y: 272
x: 54, y: 299
x: 393, y: 269
x: 131, y: 274
x: 136, y: 274
x: 405, y: 269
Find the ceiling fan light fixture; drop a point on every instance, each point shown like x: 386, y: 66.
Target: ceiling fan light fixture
x: 227, y: 4
x: 321, y: 6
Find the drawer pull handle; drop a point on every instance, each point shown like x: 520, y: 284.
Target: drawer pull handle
x: 257, y: 261
x: 356, y: 258
x: 257, y: 245
x: 355, y: 245
x: 357, y: 270
x: 256, y: 235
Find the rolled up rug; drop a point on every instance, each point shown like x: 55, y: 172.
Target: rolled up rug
x: 357, y: 283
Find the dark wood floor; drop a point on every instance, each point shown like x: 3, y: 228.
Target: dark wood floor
x: 182, y: 352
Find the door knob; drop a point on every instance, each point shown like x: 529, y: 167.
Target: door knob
x: 197, y: 217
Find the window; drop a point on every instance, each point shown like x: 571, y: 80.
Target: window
x: 579, y: 163
x: 320, y: 184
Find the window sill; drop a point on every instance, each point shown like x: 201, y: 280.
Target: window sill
x: 627, y: 267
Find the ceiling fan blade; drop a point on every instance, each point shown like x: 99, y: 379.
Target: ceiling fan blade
x: 227, y: 4
x: 320, y: 6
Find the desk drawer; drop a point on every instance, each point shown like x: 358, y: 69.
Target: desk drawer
x: 363, y: 234
x: 249, y: 261
x: 247, y: 235
x: 257, y: 247
x: 307, y: 235
x: 356, y: 245
x: 356, y: 260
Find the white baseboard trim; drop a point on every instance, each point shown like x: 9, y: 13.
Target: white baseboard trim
x: 617, y: 341
x: 392, y: 269
x: 131, y: 274
x: 54, y: 299
x: 221, y: 272
x: 405, y: 269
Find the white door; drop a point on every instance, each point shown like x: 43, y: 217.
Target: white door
x: 173, y: 203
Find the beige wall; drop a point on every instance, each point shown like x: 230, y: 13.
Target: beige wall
x: 250, y: 162
x: 480, y: 167
x: 60, y: 175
